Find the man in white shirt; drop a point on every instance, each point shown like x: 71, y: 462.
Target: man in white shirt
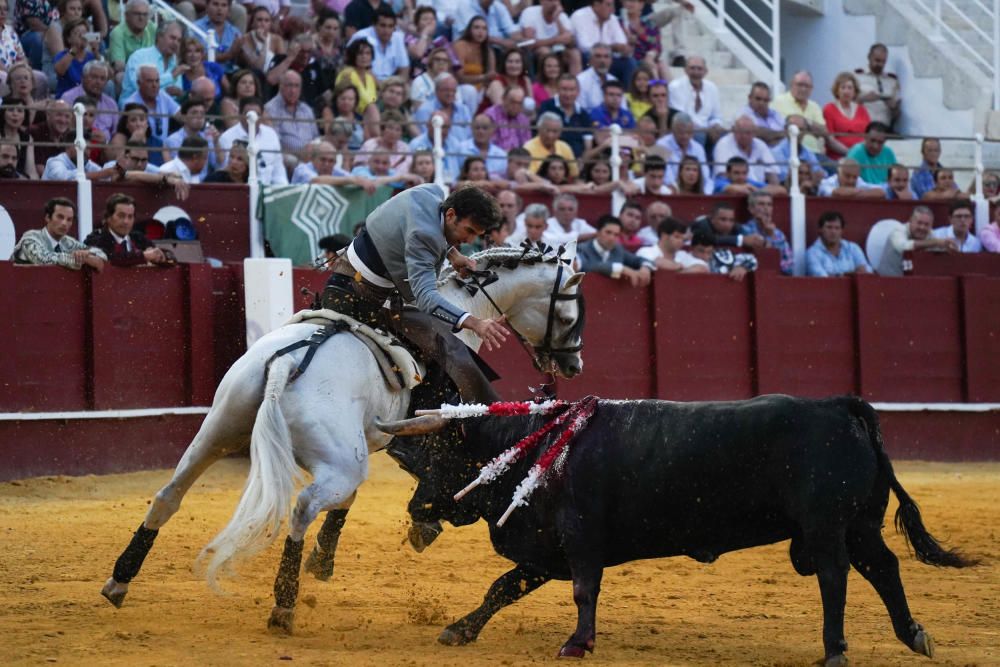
x: 564, y: 226
x: 597, y: 24
x: 533, y: 227
x: 323, y: 163
x: 960, y: 214
x: 160, y: 105
x: 847, y: 182
x: 190, y: 161
x: 593, y: 78
x: 680, y: 142
x: 654, y: 168
x: 699, y: 98
x: 62, y: 167
x: 270, y: 168
x: 547, y: 24
x: 667, y: 254
x: 389, y: 45
x: 193, y: 111
x: 741, y: 142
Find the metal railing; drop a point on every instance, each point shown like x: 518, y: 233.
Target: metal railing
x: 944, y: 15
x: 757, y: 28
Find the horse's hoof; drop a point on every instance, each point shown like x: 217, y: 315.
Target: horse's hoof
x: 422, y: 534
x: 836, y: 661
x: 282, y: 620
x: 922, y: 643
x: 114, y: 592
x: 572, y: 651
x: 450, y: 637
x: 319, y: 564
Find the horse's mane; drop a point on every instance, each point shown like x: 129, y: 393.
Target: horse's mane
x: 504, y: 257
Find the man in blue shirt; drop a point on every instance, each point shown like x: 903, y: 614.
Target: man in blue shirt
x: 782, y: 151
x: 830, y: 254
x: 573, y: 116
x: 389, y: 46
x: 503, y: 31
x: 612, y: 111
x: 227, y: 36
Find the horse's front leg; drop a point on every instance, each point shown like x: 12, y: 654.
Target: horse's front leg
x: 321, y: 560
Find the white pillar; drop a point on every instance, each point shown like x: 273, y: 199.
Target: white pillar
x: 256, y: 238
x: 267, y: 293
x: 996, y: 55
x: 84, y: 194
x: 797, y: 205
x: 437, y: 123
x: 982, y: 207
x: 776, y: 87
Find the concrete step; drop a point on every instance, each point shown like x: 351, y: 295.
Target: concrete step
x: 721, y: 77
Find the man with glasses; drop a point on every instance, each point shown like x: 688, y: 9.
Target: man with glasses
x: 796, y: 101
x: 134, y: 33
x: 960, y: 230
x: 770, y: 124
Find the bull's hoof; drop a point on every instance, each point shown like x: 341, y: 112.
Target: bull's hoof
x: 114, y: 592
x: 573, y: 651
x: 922, y: 643
x: 320, y: 564
x: 422, y: 534
x: 282, y: 620
x: 451, y: 636
x: 839, y: 660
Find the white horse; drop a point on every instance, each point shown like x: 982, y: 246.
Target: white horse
x: 324, y: 422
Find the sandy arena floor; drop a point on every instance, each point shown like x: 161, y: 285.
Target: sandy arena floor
x: 59, y: 538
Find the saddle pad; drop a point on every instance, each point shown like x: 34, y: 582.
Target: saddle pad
x: 408, y: 367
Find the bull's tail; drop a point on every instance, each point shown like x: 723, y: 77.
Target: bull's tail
x: 908, y: 520
x: 266, y: 499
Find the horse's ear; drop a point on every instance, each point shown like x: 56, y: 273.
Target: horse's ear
x: 569, y: 253
x: 574, y: 280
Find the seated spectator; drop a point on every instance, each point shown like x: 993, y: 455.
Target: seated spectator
x: 454, y: 147
x: 14, y: 131
x: 116, y: 238
x: 555, y: 170
x: 680, y: 142
x: 513, y: 125
x: 690, y: 176
x: 564, y: 226
x: 91, y: 134
x: 388, y: 43
x: 133, y: 125
x: 915, y: 235
x: 873, y: 151
x: 21, y: 86
x: 476, y: 61
x: 718, y: 260
x: 656, y: 212
x: 52, y: 244
x: 68, y: 64
x: 847, y: 182
x: 194, y: 57
x: 741, y: 142
x: 291, y: 118
x: 761, y: 205
x: 831, y: 254
x: 796, y: 101
x: 597, y: 24
x: 736, y: 180
x: 637, y: 99
x: 438, y: 62
x: 423, y: 165
x: 316, y: 81
x: 630, y: 216
x: 549, y: 70
x: 511, y: 73
x: 191, y: 160
x: 482, y: 145
x: 345, y: 106
x: 944, y: 187
x: 329, y: 51
x: 242, y: 83
x: 846, y: 120
x: 474, y: 173
x: 651, y: 183
x: 162, y: 57
x: 392, y: 97
x: 552, y: 33
x: 358, y: 73
x: 991, y: 187
x: 550, y: 127
x: 646, y: 138
x: 271, y: 169
x: 606, y: 256
x: 33, y: 19
x: 643, y: 31
x: 261, y: 47
x: 193, y: 112
x: 510, y: 204
x: 8, y: 161
x: 95, y: 79
x: 597, y: 176
x: 533, y: 228
x: 390, y: 141
x: 922, y: 180
x: 807, y: 180
x: 504, y: 33
x: 667, y: 255
x: 961, y: 216
x: 58, y: 120
x: 161, y: 105
x: 419, y: 38
x: 782, y: 152
x: 11, y: 50
x: 725, y: 230
x: 228, y: 38
x: 62, y: 167
x: 237, y: 167
x: 661, y: 113
x: 989, y: 236
x: 322, y: 161
x: 567, y: 106
x: 769, y: 125
x: 445, y: 91
x: 611, y: 110
x: 134, y: 156
x: 898, y: 185
x: 591, y: 80
x: 699, y: 99
x: 520, y: 177
x: 878, y: 90
x: 134, y: 33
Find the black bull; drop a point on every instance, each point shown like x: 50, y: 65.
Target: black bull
x: 649, y: 479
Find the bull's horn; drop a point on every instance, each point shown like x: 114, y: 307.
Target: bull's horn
x: 414, y: 426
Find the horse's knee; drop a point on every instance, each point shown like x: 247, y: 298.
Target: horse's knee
x: 166, y: 502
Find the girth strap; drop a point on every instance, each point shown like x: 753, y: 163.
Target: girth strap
x: 313, y: 342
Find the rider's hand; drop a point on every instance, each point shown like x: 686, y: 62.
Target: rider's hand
x: 492, y: 332
x: 461, y: 263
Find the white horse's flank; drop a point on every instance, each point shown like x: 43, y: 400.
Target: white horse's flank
x: 324, y: 420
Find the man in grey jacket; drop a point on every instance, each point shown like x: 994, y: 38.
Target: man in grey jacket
x: 399, y: 252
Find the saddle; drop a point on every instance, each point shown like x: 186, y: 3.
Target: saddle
x: 398, y: 366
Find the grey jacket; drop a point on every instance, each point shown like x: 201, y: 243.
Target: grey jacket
x: 408, y: 232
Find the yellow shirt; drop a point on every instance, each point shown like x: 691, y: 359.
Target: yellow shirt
x: 540, y: 152
x: 786, y: 105
x: 367, y: 91
x: 637, y: 107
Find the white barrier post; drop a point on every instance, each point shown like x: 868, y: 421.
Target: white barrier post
x: 617, y: 197
x: 797, y: 205
x: 776, y: 86
x: 437, y: 122
x: 982, y: 207
x: 267, y: 293
x: 84, y: 194
x: 256, y: 239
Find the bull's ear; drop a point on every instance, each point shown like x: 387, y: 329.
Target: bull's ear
x: 574, y: 280
x: 569, y: 252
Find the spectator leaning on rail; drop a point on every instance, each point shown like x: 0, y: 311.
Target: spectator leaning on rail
x: 718, y: 260
x: 630, y: 216
x: 606, y: 256
x: 190, y: 161
x: 564, y: 226
x: 761, y: 205
x: 873, y: 155
x: 123, y: 245
x: 961, y: 216
x: 62, y: 167
x: 922, y: 180
x: 667, y: 254
x: 898, y: 185
x: 847, y: 182
x: 879, y: 89
x: 52, y: 244
x: 831, y: 254
x: 725, y: 230
x: 914, y: 235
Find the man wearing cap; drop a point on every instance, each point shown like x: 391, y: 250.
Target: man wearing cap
x: 398, y: 254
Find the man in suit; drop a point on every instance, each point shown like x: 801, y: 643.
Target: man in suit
x: 605, y: 255
x: 116, y: 238
x: 404, y: 243
x: 52, y: 244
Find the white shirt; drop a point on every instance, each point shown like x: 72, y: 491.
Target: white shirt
x: 532, y: 18
x: 305, y: 172
x: 686, y: 259
x: 589, y: 31
x: 177, y: 166
x: 387, y: 59
x: 683, y: 98
x: 61, y: 168
x: 695, y: 150
x: 760, y: 158
x: 972, y: 244
x: 270, y: 167
x: 831, y: 183
x: 150, y: 168
x: 555, y: 235
x: 273, y: 6
x: 591, y: 92
x: 174, y: 141
x: 682, y: 257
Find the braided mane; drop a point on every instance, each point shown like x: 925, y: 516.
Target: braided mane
x: 503, y: 257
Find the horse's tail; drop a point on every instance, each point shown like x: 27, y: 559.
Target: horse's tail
x: 908, y: 521
x: 267, y: 494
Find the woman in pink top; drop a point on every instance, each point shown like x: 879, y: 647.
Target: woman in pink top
x: 844, y: 116
x: 549, y: 70
x: 990, y: 236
